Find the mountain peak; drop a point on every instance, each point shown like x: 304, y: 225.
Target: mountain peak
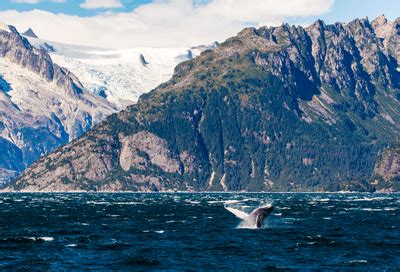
x: 318, y: 23
x: 30, y: 33
x: 380, y: 20
x: 4, y: 27
x: 359, y: 23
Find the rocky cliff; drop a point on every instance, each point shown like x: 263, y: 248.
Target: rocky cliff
x: 386, y: 176
x: 272, y: 109
x: 43, y: 106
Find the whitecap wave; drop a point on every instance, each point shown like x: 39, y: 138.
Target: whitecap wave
x: 390, y: 209
x: 126, y: 203
x: 72, y: 245
x: 228, y: 202
x: 192, y: 201
x: 358, y: 261
x: 371, y: 210
x: 378, y: 198
x: 45, y: 238
x: 97, y: 203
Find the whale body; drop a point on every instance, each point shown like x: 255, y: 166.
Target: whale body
x: 256, y: 217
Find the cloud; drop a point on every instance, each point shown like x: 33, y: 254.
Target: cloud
x: 165, y: 23
x: 256, y: 11
x: 97, y: 4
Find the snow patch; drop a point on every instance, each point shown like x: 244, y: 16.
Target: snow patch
x: 120, y: 75
x: 32, y: 101
x: 5, y: 27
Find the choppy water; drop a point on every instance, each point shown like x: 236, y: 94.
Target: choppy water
x: 195, y: 231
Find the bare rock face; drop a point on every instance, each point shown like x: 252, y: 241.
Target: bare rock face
x: 188, y: 161
x: 389, y: 33
x: 70, y: 164
x: 387, y: 170
x: 61, y: 170
x: 43, y: 106
x: 144, y: 148
x: 389, y: 166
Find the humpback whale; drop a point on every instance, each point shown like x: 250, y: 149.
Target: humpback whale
x: 256, y: 217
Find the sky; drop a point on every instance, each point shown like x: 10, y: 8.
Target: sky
x: 174, y: 23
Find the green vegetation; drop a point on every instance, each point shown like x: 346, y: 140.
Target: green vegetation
x: 274, y: 109
x: 217, y: 121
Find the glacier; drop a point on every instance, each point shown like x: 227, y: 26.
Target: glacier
x: 120, y: 75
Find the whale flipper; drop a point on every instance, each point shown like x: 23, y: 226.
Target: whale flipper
x: 238, y: 213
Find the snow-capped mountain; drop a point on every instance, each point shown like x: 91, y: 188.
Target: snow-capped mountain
x: 121, y: 75
x: 43, y: 105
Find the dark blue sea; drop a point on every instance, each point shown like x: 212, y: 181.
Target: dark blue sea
x: 179, y: 231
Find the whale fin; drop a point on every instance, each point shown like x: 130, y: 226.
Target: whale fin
x: 238, y: 213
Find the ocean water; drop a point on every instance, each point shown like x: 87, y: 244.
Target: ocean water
x: 180, y: 231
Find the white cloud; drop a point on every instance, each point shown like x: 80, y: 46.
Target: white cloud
x: 96, y: 4
x: 165, y: 22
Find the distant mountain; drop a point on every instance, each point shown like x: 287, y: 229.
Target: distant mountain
x: 30, y: 33
x: 272, y: 109
x: 43, y: 105
x: 119, y: 75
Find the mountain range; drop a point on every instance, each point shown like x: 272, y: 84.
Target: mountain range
x: 272, y: 109
x: 45, y: 105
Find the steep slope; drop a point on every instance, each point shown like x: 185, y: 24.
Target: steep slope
x: 386, y: 176
x: 43, y: 105
x: 279, y: 108
x: 389, y: 33
x: 120, y: 76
